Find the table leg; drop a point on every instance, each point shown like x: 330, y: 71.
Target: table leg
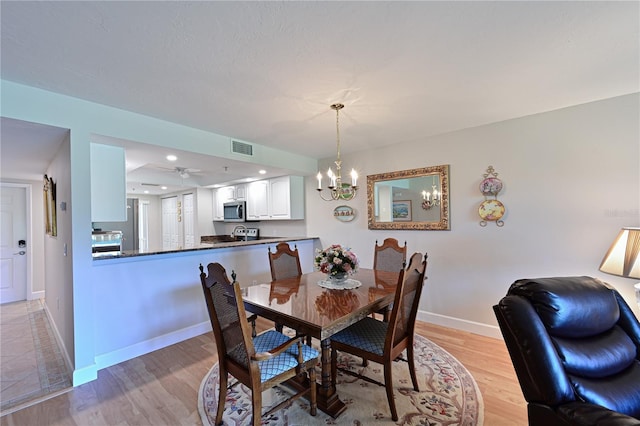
x: 326, y: 394
x: 328, y: 400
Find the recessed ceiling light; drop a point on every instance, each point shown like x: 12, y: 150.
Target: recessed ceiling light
x: 172, y: 157
x: 163, y: 187
x: 262, y: 172
x: 146, y: 192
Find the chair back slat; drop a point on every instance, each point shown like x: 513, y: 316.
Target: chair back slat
x: 284, y: 263
x: 407, y: 299
x: 224, y: 315
x: 389, y: 256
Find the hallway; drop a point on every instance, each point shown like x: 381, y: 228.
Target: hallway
x: 32, y: 367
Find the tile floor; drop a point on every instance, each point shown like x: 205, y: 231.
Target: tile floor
x: 32, y: 366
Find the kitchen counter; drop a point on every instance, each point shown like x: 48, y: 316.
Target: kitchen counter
x: 207, y: 243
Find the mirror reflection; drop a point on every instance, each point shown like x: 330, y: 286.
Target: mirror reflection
x: 409, y: 199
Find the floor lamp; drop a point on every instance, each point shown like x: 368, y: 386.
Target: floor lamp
x: 623, y: 257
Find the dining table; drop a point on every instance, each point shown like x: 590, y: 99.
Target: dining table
x: 314, y: 306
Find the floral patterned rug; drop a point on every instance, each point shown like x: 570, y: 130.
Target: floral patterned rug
x: 448, y: 395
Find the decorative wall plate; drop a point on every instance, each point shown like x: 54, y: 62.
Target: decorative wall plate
x: 491, y: 186
x: 344, y: 213
x: 491, y: 210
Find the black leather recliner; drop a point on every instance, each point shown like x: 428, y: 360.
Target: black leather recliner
x: 575, y: 346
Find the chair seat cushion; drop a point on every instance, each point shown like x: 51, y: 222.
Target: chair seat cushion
x: 620, y: 392
x: 367, y: 334
x: 285, y: 361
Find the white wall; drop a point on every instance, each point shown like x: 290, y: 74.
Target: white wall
x: 58, y: 253
x: 571, y: 181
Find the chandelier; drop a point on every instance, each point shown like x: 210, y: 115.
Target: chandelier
x: 431, y: 199
x: 336, y: 188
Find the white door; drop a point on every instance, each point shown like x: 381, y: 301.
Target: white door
x: 170, y: 223
x: 188, y: 220
x: 143, y: 226
x: 13, y: 240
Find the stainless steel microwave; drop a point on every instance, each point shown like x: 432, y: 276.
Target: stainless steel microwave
x: 235, y: 211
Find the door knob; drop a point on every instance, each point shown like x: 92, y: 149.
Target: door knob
x: 21, y: 253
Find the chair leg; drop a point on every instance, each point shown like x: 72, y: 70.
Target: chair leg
x: 388, y: 384
x: 278, y: 327
x: 312, y: 397
x: 256, y: 396
x: 222, y: 396
x: 412, y: 367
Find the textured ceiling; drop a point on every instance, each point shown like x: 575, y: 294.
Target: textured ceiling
x: 266, y: 72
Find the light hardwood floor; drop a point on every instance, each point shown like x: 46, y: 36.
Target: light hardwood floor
x: 161, y: 388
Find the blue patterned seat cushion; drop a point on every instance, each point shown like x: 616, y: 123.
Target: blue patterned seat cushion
x: 285, y: 361
x: 367, y: 334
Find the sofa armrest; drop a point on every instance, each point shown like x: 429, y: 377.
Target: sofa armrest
x: 584, y: 414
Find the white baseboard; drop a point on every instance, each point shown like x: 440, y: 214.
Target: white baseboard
x: 133, y: 351
x: 36, y: 295
x: 85, y: 375
x: 460, y: 324
x: 63, y: 349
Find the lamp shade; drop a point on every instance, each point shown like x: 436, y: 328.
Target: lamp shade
x: 623, y: 257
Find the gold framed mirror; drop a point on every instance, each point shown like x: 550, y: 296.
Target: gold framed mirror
x: 416, y: 199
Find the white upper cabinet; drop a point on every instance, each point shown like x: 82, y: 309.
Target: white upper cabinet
x: 279, y: 198
x: 286, y: 198
x: 108, y: 183
x: 226, y: 194
x: 258, y: 200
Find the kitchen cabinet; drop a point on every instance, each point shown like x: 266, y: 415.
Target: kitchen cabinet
x: 258, y: 200
x: 286, y: 198
x: 226, y: 194
x: 280, y: 198
x: 108, y: 183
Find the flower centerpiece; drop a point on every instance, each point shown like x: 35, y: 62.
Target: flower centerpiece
x: 337, y: 262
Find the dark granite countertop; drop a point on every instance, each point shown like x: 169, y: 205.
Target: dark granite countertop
x: 208, y: 243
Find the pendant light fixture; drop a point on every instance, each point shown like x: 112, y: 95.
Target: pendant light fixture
x: 336, y: 188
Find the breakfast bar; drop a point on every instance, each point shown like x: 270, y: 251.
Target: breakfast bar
x: 147, y: 301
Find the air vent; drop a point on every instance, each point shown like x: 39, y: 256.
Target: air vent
x: 243, y: 148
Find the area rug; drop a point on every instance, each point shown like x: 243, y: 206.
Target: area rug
x: 28, y: 339
x: 448, y: 395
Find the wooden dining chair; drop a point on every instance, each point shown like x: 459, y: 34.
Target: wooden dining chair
x: 284, y: 262
x: 381, y: 341
x: 390, y: 256
x: 259, y: 362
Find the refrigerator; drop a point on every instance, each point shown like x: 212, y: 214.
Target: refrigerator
x: 129, y: 228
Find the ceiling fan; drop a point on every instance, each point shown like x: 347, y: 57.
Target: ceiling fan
x: 183, y: 172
